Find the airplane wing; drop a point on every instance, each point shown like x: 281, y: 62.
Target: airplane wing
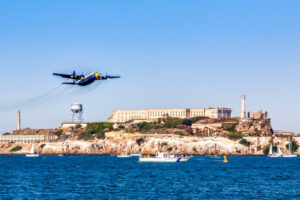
x: 63, y: 75
x: 72, y: 76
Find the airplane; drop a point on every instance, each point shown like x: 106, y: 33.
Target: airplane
x: 83, y: 80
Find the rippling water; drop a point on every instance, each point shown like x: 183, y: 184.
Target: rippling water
x: 108, y: 177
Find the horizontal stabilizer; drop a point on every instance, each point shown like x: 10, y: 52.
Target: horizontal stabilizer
x: 113, y: 76
x: 107, y: 77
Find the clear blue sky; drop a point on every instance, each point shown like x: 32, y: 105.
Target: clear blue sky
x: 169, y: 53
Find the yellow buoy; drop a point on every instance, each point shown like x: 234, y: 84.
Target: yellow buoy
x: 225, y: 159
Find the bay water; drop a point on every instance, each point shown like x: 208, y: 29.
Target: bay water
x: 109, y: 177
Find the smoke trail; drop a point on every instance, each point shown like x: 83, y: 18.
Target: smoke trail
x: 44, y: 96
x: 55, y: 93
x: 89, y: 88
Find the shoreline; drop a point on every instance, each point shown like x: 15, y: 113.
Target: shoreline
x: 23, y: 154
x: 173, y: 144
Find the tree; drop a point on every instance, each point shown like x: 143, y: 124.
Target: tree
x: 245, y: 142
x: 295, y: 146
x: 58, y: 133
x: 187, y: 122
x: 78, y: 126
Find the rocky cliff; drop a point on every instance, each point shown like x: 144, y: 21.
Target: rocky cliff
x: 152, y: 144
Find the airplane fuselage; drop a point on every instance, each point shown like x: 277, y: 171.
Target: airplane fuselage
x: 86, y: 80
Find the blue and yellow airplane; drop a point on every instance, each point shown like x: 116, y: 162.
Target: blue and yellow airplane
x: 83, y: 80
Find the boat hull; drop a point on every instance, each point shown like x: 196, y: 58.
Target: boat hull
x: 161, y: 160
x: 32, y: 155
x: 123, y: 156
x: 164, y: 160
x: 289, y: 156
x: 275, y: 155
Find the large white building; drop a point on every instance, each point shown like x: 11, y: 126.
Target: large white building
x: 119, y: 116
x: 23, y: 139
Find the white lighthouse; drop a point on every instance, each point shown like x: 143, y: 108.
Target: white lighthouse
x: 243, y: 109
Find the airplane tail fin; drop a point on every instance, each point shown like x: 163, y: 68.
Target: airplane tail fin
x: 74, y: 75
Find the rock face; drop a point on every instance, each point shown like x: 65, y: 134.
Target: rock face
x: 153, y: 144
x: 260, y: 127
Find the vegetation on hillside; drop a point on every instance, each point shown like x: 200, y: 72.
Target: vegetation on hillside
x: 245, y: 142
x: 168, y: 123
x: 230, y: 127
x: 85, y: 136
x: 58, y: 133
x: 78, y: 126
x: 180, y: 133
x: 235, y: 135
x: 16, y: 148
x: 95, y: 130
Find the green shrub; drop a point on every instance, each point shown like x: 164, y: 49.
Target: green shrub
x: 6, y: 133
x: 231, y: 128
x: 142, y: 125
x: 42, y: 145
x: 255, y: 134
x: 78, y: 126
x: 245, y: 142
x: 187, y: 122
x: 195, y: 119
x: 234, y: 135
x: 295, y: 146
x: 180, y: 133
x: 100, y: 135
x: 148, y: 127
x: 58, y: 133
x: 16, y: 148
x: 140, y: 141
x: 102, y: 127
x: 266, y: 150
x: 172, y: 122
x: 85, y: 136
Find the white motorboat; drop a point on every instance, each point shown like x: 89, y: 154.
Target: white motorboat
x: 135, y: 154
x: 163, y: 157
x: 124, y: 156
x: 32, y: 153
x: 290, y: 154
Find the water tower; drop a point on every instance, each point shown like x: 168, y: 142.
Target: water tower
x: 77, y: 112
